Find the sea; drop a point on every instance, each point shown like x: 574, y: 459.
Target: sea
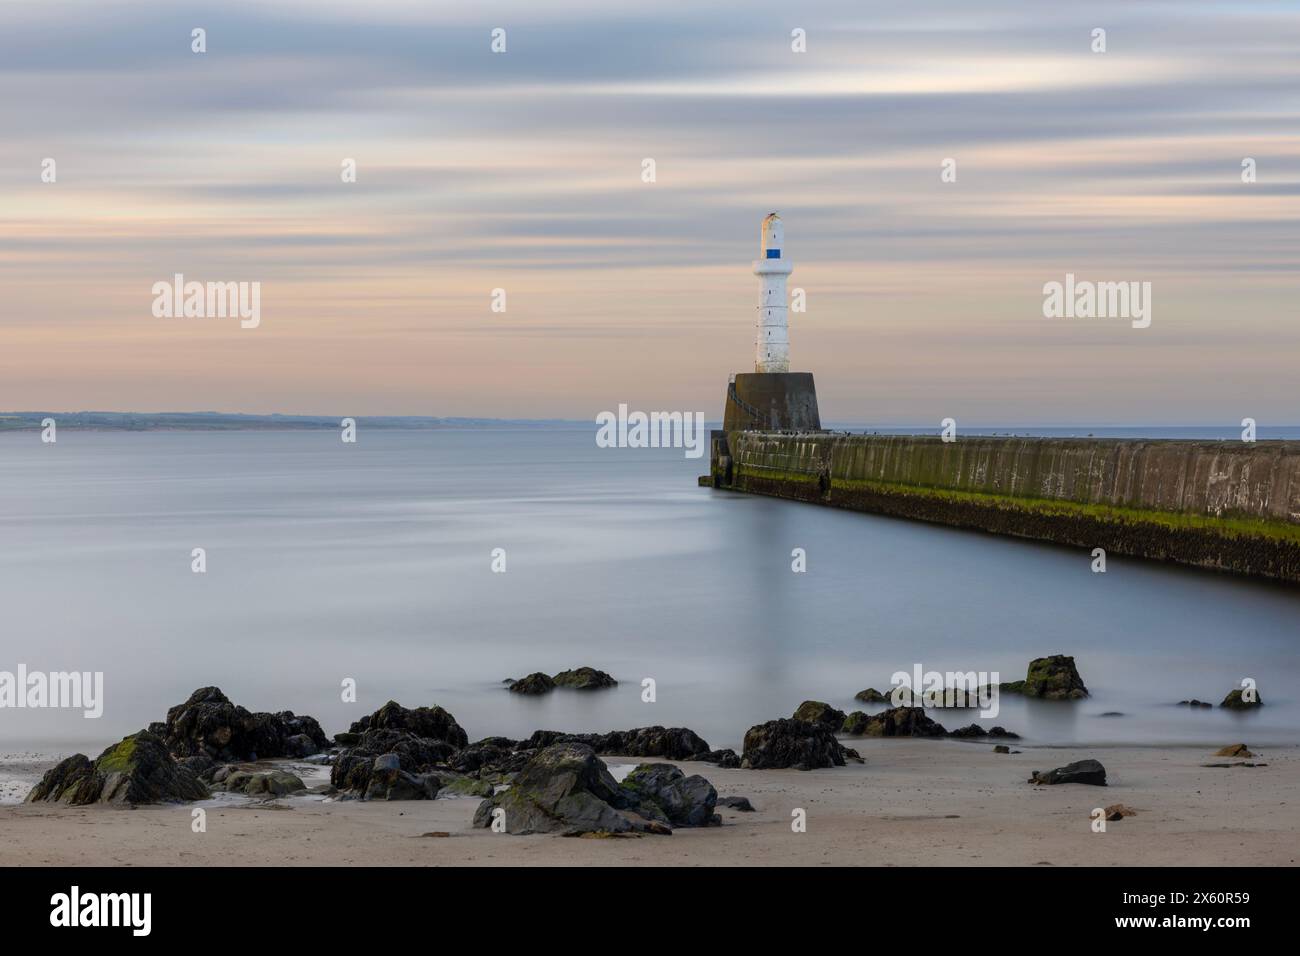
x: 428, y: 566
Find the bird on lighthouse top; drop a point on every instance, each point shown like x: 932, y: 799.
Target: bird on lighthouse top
x: 772, y: 345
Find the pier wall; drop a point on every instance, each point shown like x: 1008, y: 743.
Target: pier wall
x: 1232, y: 506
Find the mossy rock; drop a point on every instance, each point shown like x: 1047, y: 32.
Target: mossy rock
x: 822, y: 713
x: 464, y: 787
x: 535, y: 683
x: 1237, y: 701
x: 871, y: 696
x: 271, y: 783
x: 137, y: 769
x: 584, y: 678
x: 1049, y: 678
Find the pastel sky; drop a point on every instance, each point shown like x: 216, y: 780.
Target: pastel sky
x: 522, y: 171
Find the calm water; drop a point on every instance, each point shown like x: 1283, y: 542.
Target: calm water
x: 371, y: 561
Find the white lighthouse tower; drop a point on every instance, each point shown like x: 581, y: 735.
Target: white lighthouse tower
x: 772, y: 350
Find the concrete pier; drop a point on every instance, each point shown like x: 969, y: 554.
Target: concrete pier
x: 1233, y: 506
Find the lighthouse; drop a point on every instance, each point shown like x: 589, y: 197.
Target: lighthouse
x: 770, y: 398
x: 772, y: 348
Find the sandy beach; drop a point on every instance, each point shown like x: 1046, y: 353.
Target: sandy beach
x: 913, y: 802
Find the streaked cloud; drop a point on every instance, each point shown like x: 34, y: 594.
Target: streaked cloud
x: 521, y: 171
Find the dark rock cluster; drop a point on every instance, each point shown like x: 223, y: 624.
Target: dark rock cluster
x: 580, y: 678
x: 180, y: 758
x: 789, y: 742
x: 565, y: 788
x: 209, y: 725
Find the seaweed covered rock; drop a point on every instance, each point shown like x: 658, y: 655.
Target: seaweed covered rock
x: 537, y: 683
x: 494, y: 755
x: 269, y: 783
x: 726, y: 759
x: 72, y: 781
x: 1236, y: 700
x: 790, y: 743
x: 819, y: 712
x: 895, y: 722
x: 388, y: 781
x: 432, y: 723
x: 565, y: 788
x: 976, y: 731
x: 1050, y: 678
x: 871, y: 696
x: 662, y: 791
x: 408, y: 753
x: 1081, y: 771
x: 671, y: 743
x: 209, y: 724
x: 584, y: 678
x: 412, y: 742
x: 137, y: 769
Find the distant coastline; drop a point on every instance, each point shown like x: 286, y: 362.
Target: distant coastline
x: 237, y: 421
x: 228, y: 421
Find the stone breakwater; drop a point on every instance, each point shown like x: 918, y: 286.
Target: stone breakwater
x: 1231, y: 506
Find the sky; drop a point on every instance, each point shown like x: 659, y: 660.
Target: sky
x: 523, y: 171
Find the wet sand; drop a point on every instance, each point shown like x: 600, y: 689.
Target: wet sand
x: 914, y: 802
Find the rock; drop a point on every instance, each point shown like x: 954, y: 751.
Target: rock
x: 1194, y: 703
x: 493, y: 755
x: 1116, y: 713
x: 662, y: 790
x: 565, y: 788
x: 201, y: 765
x: 432, y: 723
x: 1235, y: 701
x: 271, y: 783
x: 584, y: 678
x: 871, y: 696
x: 537, y: 683
x: 208, y: 723
x: 855, y: 724
x: 1003, y: 733
x: 671, y: 743
x: 726, y: 759
x: 790, y: 743
x: 739, y: 804
x: 1081, y: 771
x: 817, y: 712
x: 346, y: 739
x: 405, y: 752
x: 895, y: 722
x: 72, y: 781
x: 138, y: 769
x: 1002, y: 749
x: 972, y: 730
x: 301, y: 745
x: 393, y: 751
x: 1234, y: 750
x: 388, y: 781
x: 1117, y: 811
x: 456, y: 786
x: 1050, y: 678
